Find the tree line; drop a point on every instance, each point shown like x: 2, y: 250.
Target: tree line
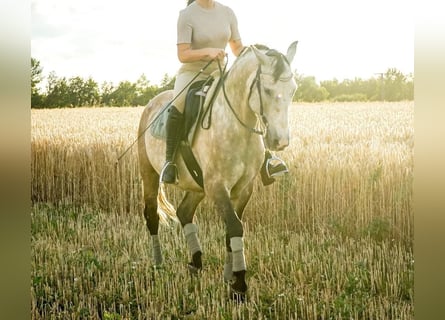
x: 391, y: 85
x: 76, y: 91
x: 73, y: 92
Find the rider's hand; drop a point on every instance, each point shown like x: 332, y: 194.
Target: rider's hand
x: 216, y: 53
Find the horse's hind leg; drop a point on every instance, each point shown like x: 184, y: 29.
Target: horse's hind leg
x: 151, y: 184
x: 185, y: 213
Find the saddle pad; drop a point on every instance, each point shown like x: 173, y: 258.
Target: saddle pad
x: 193, y: 105
x: 157, y: 128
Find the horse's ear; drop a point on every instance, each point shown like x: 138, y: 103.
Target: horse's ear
x: 291, y: 51
x: 262, y: 57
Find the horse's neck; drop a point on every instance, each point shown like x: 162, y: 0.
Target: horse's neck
x: 236, y: 105
x: 226, y: 133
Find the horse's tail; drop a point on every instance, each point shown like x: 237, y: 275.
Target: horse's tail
x: 166, y: 210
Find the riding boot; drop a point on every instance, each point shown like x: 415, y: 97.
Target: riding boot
x: 272, y: 167
x: 174, y: 130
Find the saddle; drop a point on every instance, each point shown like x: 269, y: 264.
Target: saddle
x: 194, y: 103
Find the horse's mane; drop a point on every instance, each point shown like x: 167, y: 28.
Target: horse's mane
x: 280, y: 61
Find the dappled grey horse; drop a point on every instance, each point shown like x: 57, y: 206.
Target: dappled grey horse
x: 250, y: 113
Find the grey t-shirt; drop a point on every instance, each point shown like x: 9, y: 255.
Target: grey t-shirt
x: 206, y: 28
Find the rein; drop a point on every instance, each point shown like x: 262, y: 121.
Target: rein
x: 252, y: 130
x: 258, y: 85
x: 221, y: 83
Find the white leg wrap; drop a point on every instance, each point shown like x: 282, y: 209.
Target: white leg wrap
x: 191, y: 235
x: 157, y: 255
x: 228, y: 273
x: 239, y: 262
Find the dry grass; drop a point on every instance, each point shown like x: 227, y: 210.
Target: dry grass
x: 332, y: 240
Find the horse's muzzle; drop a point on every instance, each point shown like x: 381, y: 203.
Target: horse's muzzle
x: 277, y: 144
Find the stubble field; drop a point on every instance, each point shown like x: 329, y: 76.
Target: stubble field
x: 331, y: 240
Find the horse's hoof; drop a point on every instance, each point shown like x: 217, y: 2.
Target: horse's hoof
x: 237, y: 296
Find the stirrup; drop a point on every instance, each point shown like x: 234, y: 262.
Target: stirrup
x: 277, y: 169
x: 166, y: 174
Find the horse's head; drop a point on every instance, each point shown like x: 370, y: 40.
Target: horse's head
x: 271, y: 93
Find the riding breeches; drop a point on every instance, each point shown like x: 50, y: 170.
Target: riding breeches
x: 182, y: 80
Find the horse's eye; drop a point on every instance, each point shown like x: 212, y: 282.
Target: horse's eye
x: 268, y: 91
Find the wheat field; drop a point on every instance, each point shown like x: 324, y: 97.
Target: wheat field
x: 331, y: 240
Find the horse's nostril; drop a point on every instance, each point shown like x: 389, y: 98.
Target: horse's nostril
x: 276, y: 143
x: 281, y: 144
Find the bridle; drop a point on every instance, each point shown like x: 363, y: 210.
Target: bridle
x: 261, y: 115
x: 257, y: 81
x: 264, y: 123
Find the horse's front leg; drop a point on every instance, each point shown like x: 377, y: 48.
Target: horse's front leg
x: 234, y: 234
x: 185, y: 213
x: 239, y: 202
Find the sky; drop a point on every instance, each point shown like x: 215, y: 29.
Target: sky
x: 115, y: 41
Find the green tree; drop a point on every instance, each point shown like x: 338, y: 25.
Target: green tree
x: 106, y: 91
x: 371, y: 89
x: 409, y: 87
x: 91, y: 92
x: 350, y: 90
x: 167, y: 83
x: 391, y: 86
x: 332, y: 86
x: 75, y: 92
x: 308, y: 90
x: 394, y: 84
x: 124, y: 94
x: 36, y: 78
x: 83, y: 92
x: 144, y: 92
x: 58, y: 93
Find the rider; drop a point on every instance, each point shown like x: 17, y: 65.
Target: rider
x: 203, y: 31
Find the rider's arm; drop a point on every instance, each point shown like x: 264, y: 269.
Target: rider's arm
x: 187, y: 54
x: 236, y: 46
